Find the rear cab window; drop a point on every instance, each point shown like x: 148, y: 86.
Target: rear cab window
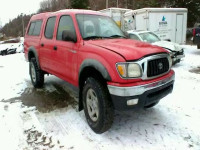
x: 35, y: 28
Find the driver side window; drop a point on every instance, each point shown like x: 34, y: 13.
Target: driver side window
x: 65, y: 23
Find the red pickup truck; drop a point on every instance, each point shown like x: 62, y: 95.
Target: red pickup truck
x: 89, y: 51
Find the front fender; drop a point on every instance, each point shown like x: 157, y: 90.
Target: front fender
x: 97, y: 65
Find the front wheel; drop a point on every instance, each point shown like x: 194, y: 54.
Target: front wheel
x: 37, y: 75
x: 98, y: 107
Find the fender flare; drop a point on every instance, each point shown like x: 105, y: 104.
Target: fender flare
x: 97, y: 65
x: 34, y: 51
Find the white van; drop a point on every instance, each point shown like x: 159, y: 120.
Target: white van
x: 167, y: 23
x: 117, y: 14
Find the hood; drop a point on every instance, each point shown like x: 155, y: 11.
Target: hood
x: 127, y: 48
x: 168, y: 45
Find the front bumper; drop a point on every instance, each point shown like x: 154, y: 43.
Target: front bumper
x: 145, y: 94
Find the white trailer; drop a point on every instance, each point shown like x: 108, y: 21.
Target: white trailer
x: 116, y: 14
x: 167, y: 23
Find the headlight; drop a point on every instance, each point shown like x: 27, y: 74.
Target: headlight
x: 134, y: 70
x: 129, y: 70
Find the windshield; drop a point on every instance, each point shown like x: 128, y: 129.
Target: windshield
x: 96, y: 26
x: 149, y: 37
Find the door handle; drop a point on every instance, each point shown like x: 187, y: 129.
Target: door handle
x: 55, y: 48
x: 73, y: 51
x: 42, y: 44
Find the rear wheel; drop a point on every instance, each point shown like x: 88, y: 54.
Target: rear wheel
x: 37, y: 75
x: 98, y: 107
x: 198, y: 46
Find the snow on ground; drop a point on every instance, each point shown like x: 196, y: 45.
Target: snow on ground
x: 48, y: 118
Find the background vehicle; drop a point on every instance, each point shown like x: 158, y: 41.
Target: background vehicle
x: 196, y: 36
x: 117, y: 14
x: 20, y: 48
x: 167, y: 23
x: 6, y: 49
x: 12, y: 49
x: 3, y: 50
x: 176, y: 51
x: 88, y: 50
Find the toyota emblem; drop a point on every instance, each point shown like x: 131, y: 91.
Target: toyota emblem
x: 160, y: 66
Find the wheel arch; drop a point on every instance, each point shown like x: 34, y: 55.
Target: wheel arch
x: 91, y: 68
x: 32, y: 52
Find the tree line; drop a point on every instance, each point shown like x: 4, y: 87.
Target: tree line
x: 14, y: 27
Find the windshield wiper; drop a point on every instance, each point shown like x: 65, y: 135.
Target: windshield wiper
x: 93, y: 37
x: 101, y: 37
x: 116, y: 36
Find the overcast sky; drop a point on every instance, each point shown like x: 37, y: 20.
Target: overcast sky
x: 9, y: 9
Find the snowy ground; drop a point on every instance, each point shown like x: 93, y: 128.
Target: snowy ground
x: 48, y: 118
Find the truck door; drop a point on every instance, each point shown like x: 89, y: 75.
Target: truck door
x: 179, y: 28
x: 47, y: 45
x: 66, y: 51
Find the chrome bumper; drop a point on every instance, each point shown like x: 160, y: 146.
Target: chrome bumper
x: 138, y: 90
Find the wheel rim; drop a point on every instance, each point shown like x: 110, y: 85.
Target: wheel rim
x: 92, y: 105
x: 33, y: 73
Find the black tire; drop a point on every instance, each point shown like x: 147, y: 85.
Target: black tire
x: 151, y: 105
x: 198, y: 46
x: 37, y: 75
x: 105, y: 107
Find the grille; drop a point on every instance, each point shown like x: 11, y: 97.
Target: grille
x: 157, y: 67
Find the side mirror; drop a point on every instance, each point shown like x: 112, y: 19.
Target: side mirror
x: 69, y: 36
